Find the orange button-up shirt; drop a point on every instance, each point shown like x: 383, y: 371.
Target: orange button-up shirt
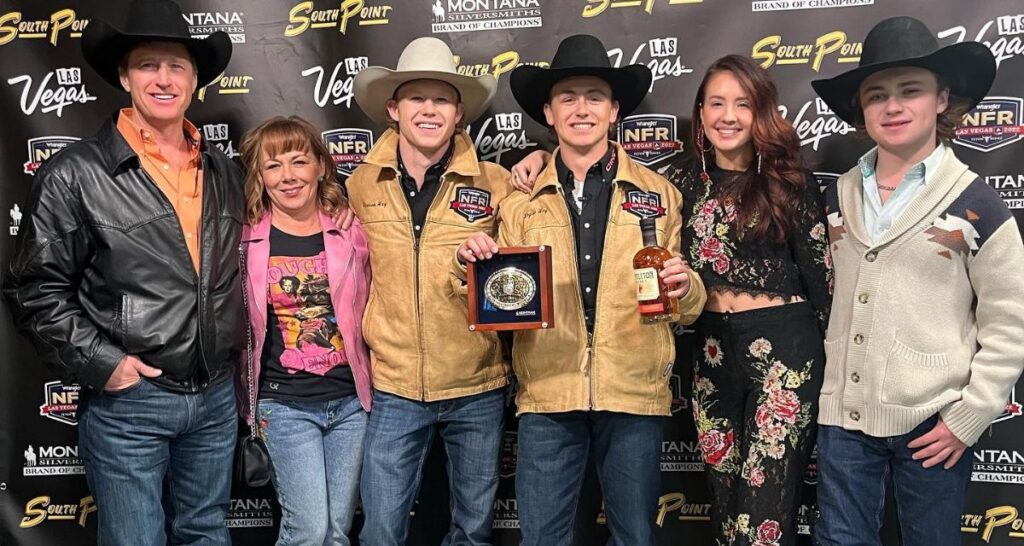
x: 183, y: 187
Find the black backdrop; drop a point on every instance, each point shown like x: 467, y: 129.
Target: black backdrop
x: 299, y: 58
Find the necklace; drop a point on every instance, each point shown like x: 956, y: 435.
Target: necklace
x: 886, y: 188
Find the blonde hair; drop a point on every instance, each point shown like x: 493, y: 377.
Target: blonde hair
x: 280, y: 135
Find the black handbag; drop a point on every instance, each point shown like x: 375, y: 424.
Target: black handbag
x: 252, y: 461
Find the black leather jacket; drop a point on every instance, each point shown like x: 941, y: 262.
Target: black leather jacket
x: 101, y: 269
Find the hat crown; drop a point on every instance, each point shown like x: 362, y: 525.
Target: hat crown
x: 898, y: 38
x: 155, y: 18
x: 426, y: 54
x: 581, y: 50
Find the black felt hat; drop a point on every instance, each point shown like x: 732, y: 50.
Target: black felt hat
x: 104, y: 46
x: 579, y: 55
x: 968, y: 68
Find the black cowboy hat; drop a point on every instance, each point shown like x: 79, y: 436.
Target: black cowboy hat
x: 104, y: 46
x: 579, y: 55
x: 968, y: 68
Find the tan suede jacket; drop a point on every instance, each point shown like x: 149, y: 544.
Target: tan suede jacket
x: 415, y: 323
x: 625, y: 365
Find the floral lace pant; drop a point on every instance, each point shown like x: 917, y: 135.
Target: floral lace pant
x: 757, y: 376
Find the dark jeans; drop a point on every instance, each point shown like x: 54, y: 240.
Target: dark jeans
x: 853, y: 469
x: 552, y: 459
x: 755, y: 403
x: 159, y: 464
x: 398, y: 438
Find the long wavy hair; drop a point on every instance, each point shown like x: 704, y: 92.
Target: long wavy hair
x: 764, y: 200
x: 280, y: 135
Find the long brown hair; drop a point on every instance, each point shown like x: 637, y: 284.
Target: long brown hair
x: 280, y: 135
x: 764, y: 201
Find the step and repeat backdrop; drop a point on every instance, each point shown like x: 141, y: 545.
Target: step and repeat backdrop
x: 299, y: 57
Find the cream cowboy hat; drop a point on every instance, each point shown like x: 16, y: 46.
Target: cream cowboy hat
x: 423, y: 59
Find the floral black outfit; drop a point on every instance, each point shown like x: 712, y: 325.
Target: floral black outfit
x: 758, y: 373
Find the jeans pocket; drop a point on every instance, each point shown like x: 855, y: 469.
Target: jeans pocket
x: 835, y: 363
x: 912, y: 377
x: 127, y: 390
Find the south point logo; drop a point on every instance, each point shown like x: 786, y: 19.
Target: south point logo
x: 770, y: 50
x: 60, y: 23
x: 303, y: 17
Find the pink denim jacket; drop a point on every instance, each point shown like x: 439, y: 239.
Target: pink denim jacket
x: 348, y: 273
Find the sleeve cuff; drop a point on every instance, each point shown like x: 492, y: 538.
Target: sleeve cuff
x: 964, y: 422
x: 458, y: 269
x: 97, y: 371
x: 691, y: 305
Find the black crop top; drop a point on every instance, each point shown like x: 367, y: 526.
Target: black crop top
x: 800, y: 266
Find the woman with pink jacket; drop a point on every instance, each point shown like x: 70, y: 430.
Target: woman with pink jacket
x: 307, y: 285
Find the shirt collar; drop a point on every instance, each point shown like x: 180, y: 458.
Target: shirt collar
x: 605, y: 169
x: 435, y: 170
x: 924, y: 170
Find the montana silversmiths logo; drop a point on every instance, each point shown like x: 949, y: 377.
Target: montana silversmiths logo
x: 994, y: 123
x: 1010, y: 187
x: 498, y: 134
x: 69, y: 90
x: 806, y: 517
x: 506, y: 513
x: 593, y: 8
x: 472, y: 203
x: 42, y: 508
x: 1009, y: 44
x: 338, y: 89
x: 201, y: 24
x: 303, y: 16
x: 42, y: 148
x: 509, y: 454
x: 649, y: 138
x: 218, y: 134
x: 681, y: 456
x: 60, y: 402
x: 643, y: 204
x: 16, y: 215
x: 60, y: 23
x: 998, y: 523
x: 771, y: 50
x: 660, y: 55
x: 249, y: 512
x: 782, y: 5
x: 817, y: 124
x: 998, y: 466
x: 348, y: 147
x: 473, y: 15
x: 52, y: 461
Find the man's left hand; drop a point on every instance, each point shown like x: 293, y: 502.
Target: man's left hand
x: 675, y: 273
x: 938, y: 445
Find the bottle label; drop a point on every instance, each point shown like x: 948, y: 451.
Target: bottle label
x: 646, y: 284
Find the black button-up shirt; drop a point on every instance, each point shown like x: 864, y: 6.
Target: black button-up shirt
x: 419, y: 199
x: 589, y: 207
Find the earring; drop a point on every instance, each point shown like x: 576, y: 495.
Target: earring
x: 320, y: 179
x: 758, y: 162
x: 703, y: 160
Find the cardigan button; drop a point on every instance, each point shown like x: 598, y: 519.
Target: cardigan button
x: 863, y: 298
x: 855, y: 415
x: 855, y: 377
x: 858, y: 339
x: 871, y: 256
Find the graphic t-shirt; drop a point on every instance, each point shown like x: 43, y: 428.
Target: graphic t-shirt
x: 304, y: 355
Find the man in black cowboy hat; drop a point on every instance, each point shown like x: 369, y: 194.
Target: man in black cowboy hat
x: 924, y: 337
x: 125, y: 278
x: 599, y: 380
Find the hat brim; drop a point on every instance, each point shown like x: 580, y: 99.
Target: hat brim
x: 375, y: 85
x: 103, y: 47
x: 531, y: 86
x: 968, y: 68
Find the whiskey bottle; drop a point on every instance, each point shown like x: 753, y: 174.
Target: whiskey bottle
x: 651, y: 290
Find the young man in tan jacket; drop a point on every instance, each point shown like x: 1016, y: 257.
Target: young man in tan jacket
x: 419, y: 194
x: 598, y: 381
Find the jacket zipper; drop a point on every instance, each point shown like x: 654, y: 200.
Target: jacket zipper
x: 600, y: 275
x: 579, y: 300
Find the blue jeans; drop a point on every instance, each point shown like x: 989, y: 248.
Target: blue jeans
x: 853, y: 469
x: 316, y: 450
x: 553, y: 452
x: 398, y: 439
x: 159, y: 463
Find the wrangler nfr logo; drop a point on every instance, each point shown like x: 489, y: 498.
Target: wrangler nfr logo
x: 348, y: 148
x: 472, y: 204
x: 649, y: 138
x: 995, y: 122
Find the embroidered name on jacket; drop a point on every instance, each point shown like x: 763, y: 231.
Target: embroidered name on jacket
x: 643, y: 204
x: 472, y: 204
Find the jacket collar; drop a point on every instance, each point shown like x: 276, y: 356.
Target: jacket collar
x: 464, y: 162
x: 117, y: 151
x: 626, y: 171
x: 261, y: 230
